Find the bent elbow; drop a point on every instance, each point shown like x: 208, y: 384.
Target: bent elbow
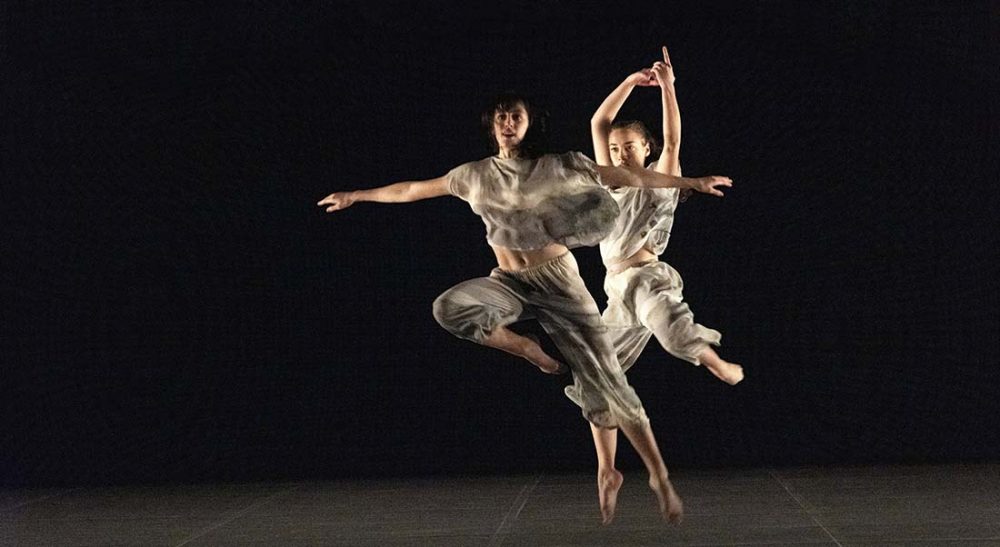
x: 598, y: 122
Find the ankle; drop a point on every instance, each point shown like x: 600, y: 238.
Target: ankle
x: 659, y: 477
x: 606, y: 471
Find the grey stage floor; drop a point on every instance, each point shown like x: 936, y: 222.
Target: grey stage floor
x: 904, y: 505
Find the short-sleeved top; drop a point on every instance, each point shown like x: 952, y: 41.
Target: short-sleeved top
x: 527, y: 204
x: 645, y: 220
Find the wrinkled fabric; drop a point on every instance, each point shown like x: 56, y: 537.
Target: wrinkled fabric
x: 646, y: 300
x: 553, y: 293
x: 645, y: 219
x: 528, y: 204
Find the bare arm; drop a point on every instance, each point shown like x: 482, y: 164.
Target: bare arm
x: 600, y: 122
x: 645, y: 178
x: 669, y: 160
x: 400, y: 192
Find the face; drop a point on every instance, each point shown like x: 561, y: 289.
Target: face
x: 510, y: 126
x: 628, y: 148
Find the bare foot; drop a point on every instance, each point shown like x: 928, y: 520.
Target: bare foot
x: 608, y: 485
x: 534, y: 353
x: 730, y: 373
x: 671, y: 506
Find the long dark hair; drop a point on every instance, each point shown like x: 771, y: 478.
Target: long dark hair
x: 536, y: 142
x: 640, y: 128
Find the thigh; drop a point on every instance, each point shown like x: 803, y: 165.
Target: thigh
x: 560, y: 300
x: 473, y: 308
x: 658, y: 296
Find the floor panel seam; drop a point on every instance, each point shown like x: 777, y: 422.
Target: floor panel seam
x: 41, y: 498
x: 802, y: 505
x: 514, y: 512
x: 238, y: 514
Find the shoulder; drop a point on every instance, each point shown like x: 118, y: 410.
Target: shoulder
x: 462, y: 179
x: 471, y: 169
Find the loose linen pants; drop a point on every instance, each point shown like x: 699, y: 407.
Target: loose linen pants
x: 553, y: 293
x: 646, y: 300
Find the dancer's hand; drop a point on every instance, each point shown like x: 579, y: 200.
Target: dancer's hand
x: 642, y: 78
x: 337, y: 201
x: 709, y: 185
x: 663, y: 71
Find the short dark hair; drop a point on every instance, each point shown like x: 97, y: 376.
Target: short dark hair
x: 640, y: 128
x: 535, y: 141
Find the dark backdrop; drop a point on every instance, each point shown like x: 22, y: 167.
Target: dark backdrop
x: 175, y: 307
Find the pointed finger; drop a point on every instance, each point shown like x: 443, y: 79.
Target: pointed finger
x: 666, y: 56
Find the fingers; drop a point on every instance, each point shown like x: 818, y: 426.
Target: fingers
x: 334, y: 201
x: 649, y: 76
x: 719, y: 181
x: 331, y: 199
x: 709, y: 185
x: 666, y: 56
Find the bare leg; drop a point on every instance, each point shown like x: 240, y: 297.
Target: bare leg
x: 609, y: 479
x: 507, y: 340
x: 730, y: 373
x: 641, y: 437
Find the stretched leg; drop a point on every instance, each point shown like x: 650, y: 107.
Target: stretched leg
x: 570, y: 316
x: 480, y: 310
x: 641, y: 437
x: 609, y: 479
x: 660, y: 307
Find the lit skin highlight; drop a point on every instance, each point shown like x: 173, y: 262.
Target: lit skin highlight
x: 509, y: 130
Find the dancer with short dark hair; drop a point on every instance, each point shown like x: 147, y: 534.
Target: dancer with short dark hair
x: 536, y: 206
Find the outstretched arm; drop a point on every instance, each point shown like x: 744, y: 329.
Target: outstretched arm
x: 645, y: 178
x: 669, y: 160
x: 600, y: 122
x: 400, y: 192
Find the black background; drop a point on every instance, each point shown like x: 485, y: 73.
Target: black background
x: 175, y: 307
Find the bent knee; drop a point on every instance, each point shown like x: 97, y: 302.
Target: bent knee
x: 445, y: 312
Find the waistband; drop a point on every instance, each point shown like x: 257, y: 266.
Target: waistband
x: 554, y: 261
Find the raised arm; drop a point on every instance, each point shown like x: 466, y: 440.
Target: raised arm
x: 600, y: 122
x: 400, y: 192
x: 646, y: 178
x: 669, y: 161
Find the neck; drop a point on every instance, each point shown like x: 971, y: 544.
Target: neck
x: 509, y: 153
